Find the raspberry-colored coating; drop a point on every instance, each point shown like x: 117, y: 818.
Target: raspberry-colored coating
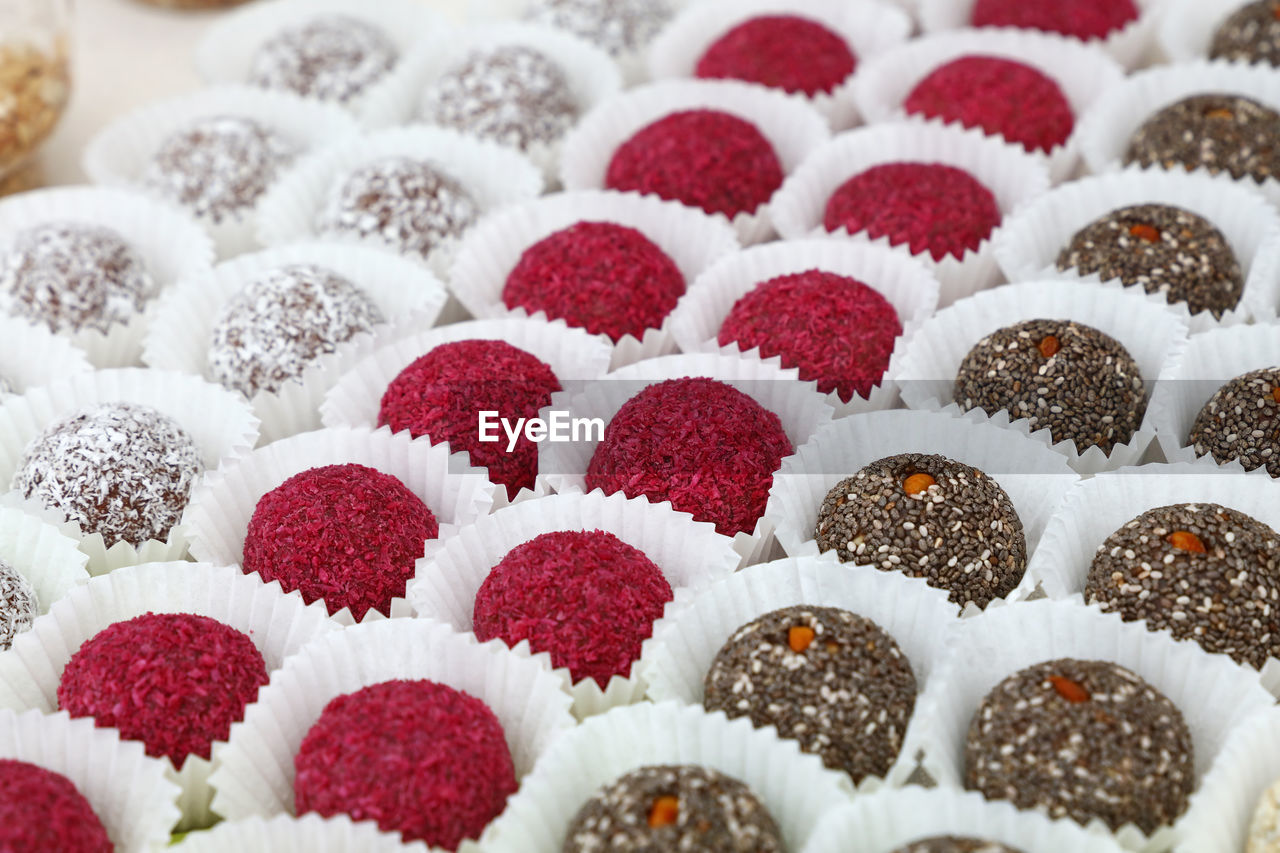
x: 418, y: 757
x: 42, y: 810
x: 786, y: 52
x: 699, y: 443
x: 1001, y: 96
x: 442, y: 393
x: 1084, y: 19
x: 175, y: 681
x: 606, y: 278
x: 931, y: 207
x: 345, y: 534
x: 838, y: 331
x: 702, y: 158
x: 586, y: 597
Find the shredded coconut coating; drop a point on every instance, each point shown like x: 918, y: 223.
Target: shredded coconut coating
x: 42, y: 810
x: 617, y: 26
x: 19, y: 606
x: 330, y: 57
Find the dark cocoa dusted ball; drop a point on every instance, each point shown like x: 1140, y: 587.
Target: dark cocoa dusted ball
x: 1241, y: 422
x: 955, y: 844
x: 1216, y: 132
x: 1249, y: 34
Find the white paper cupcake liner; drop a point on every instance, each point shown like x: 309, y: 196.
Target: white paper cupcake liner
x: 408, y: 296
x: 1011, y: 174
x: 1186, y: 28
x: 868, y: 27
x: 126, y: 789
x: 51, y: 561
x: 1027, y: 246
x: 1152, y: 332
x: 218, y: 421
x: 287, y: 834
x: 690, y: 238
x: 119, y: 154
x: 1213, y: 694
x: 35, y: 356
x: 792, y: 127
x: 278, y: 623
x: 169, y: 242
x: 1083, y: 72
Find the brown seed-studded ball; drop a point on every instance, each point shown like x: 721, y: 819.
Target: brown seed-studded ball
x: 1206, y: 572
x: 828, y: 678
x: 330, y: 57
x: 1162, y: 249
x: 1216, y: 132
x: 955, y: 844
x: 1082, y: 739
x: 1080, y: 384
x: 615, y: 26
x: 1249, y: 34
x: 1241, y: 422
x: 959, y: 532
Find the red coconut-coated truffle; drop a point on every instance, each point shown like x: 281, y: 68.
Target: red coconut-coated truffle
x: 418, y: 757
x: 175, y: 681
x: 347, y: 534
x: 699, y: 443
x: 783, y: 51
x: 442, y: 393
x: 931, y: 207
x: 835, y: 329
x: 703, y: 158
x: 606, y: 278
x: 1001, y: 96
x: 586, y: 597
x: 42, y: 810
x: 1084, y: 19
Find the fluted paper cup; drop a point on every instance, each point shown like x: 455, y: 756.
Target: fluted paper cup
x: 50, y: 560
x: 35, y: 356
x: 287, y: 834
x: 1186, y: 28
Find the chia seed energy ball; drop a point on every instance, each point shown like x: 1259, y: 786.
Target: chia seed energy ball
x: 584, y: 596
x: 512, y: 94
x: 1083, y: 740
x: 1082, y: 19
x: 1249, y: 34
x: 419, y: 758
x: 122, y: 470
x: 71, y: 276
x: 345, y: 534
x: 1241, y: 422
x: 1164, y: 249
x: 930, y: 207
x: 954, y: 844
x: 19, y: 606
x: 674, y: 807
x: 1066, y: 377
x: 152, y: 678
x: 1001, y: 96
x: 281, y: 322
x: 699, y: 443
x: 1216, y: 132
x: 928, y: 517
x: 330, y: 57
x: 1203, y: 571
x: 615, y: 26
x: 1264, y: 827
x: 788, y: 52
x: 702, y: 158
x: 43, y: 810
x: 828, y: 678
x: 600, y: 276
x: 405, y: 205
x: 219, y: 166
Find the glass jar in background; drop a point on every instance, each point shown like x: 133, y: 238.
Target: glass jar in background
x: 35, y: 76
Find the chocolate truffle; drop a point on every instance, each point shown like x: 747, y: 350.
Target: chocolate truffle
x: 42, y: 810
x: 417, y: 757
x: 701, y: 444
x: 828, y: 678
x: 345, y: 534
x: 18, y: 605
x: 1205, y: 572
x: 175, y: 681
x: 512, y: 94
x: 703, y: 158
x: 281, y: 322
x: 441, y: 395
x: 1082, y: 739
x: 600, y: 276
x: 930, y: 207
x: 1066, y: 377
x: 1241, y: 422
x: 330, y: 57
x: 615, y: 26
x: 1163, y: 248
x: 929, y: 517
x: 954, y: 844
x: 71, y: 276
x: 406, y: 205
x: 1083, y: 19
x: 788, y: 52
x: 1215, y: 132
x: 584, y: 596
x: 218, y: 167
x: 122, y: 470
x: 1264, y: 827
x: 1001, y: 96
x: 1249, y: 34
x: 674, y: 807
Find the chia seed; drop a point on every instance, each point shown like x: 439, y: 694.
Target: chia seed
x: 1241, y: 422
x: 1217, y: 132
x: 1249, y: 34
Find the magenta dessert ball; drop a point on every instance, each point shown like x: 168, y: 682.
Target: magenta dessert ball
x: 42, y: 810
